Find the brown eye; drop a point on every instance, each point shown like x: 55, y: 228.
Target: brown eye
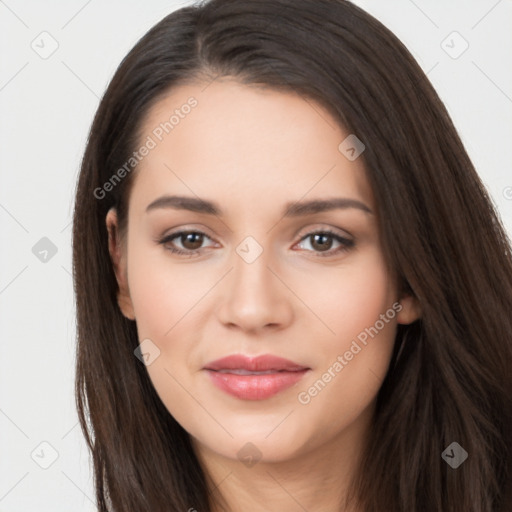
x: 321, y: 243
x: 191, y: 242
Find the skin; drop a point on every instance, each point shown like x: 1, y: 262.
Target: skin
x: 252, y: 150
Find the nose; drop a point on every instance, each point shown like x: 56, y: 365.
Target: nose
x: 254, y: 297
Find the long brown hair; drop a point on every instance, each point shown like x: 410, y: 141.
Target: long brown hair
x: 449, y: 378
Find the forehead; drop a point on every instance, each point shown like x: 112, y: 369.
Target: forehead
x: 244, y: 144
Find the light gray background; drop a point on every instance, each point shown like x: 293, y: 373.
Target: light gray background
x: 47, y: 105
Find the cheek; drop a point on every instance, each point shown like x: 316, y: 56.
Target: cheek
x: 352, y: 362
x: 351, y: 298
x: 163, y: 294
x: 166, y: 297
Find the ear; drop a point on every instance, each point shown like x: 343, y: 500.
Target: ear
x: 410, y: 310
x: 118, y: 258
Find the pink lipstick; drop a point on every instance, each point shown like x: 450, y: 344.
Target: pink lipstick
x: 254, y: 378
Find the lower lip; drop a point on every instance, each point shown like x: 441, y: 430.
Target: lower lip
x: 255, y: 387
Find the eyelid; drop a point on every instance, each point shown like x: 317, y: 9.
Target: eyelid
x: 324, y: 228
x: 186, y: 229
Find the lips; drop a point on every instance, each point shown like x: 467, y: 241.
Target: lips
x: 266, y: 363
x: 254, y: 378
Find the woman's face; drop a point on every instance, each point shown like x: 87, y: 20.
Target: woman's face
x: 265, y: 277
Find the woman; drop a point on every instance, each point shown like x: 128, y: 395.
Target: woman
x: 293, y: 291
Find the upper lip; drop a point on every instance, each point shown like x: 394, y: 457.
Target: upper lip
x: 254, y: 364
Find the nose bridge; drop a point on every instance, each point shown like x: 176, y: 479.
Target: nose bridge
x: 251, y: 274
x: 254, y: 296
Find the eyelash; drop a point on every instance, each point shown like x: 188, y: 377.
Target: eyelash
x: 347, y: 244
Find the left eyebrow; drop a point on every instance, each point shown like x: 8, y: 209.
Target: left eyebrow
x: 292, y: 209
